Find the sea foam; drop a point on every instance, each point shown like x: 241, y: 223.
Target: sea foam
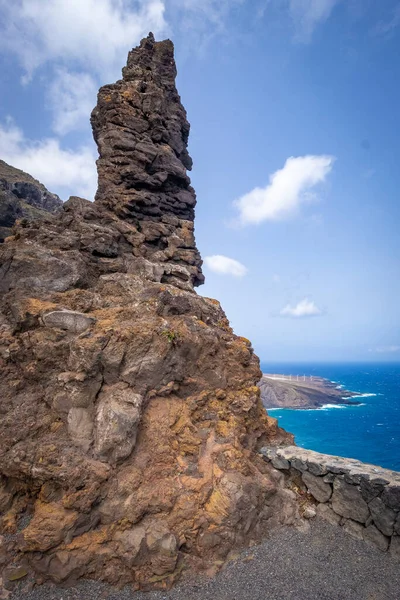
x: 363, y: 396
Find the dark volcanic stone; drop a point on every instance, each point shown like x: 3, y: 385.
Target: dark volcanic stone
x: 141, y: 130
x: 22, y: 196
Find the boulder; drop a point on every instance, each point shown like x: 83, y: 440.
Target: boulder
x: 373, y: 536
x: 354, y: 529
x: 118, y: 416
x: 317, y: 468
x: 48, y: 527
x: 325, y: 512
x: 391, y: 496
x: 397, y: 525
x: 280, y: 463
x: 348, y: 502
x: 370, y: 490
x: 395, y: 547
x: 309, y: 513
x: 317, y: 487
x: 68, y: 319
x: 80, y: 427
x: 384, y: 518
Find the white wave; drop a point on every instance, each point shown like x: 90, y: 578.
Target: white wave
x: 329, y: 406
x: 362, y: 396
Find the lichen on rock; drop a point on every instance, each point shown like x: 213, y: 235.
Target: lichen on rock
x: 131, y: 420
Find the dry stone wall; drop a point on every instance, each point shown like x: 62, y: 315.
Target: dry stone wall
x: 364, y: 499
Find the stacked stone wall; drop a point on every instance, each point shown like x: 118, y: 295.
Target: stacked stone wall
x: 364, y: 499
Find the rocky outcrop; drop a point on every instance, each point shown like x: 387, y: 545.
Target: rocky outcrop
x: 22, y: 197
x: 141, y: 130
x: 278, y: 391
x: 363, y: 498
x: 130, y: 416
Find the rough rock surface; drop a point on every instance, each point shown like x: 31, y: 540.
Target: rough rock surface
x: 22, y: 196
x: 130, y: 416
x: 141, y: 130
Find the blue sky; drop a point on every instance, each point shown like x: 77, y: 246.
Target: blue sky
x: 294, y: 107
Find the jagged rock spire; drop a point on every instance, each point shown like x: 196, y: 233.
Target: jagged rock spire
x: 141, y: 131
x: 130, y: 416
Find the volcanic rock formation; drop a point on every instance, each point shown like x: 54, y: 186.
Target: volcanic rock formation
x: 141, y: 131
x: 130, y: 416
x: 22, y: 196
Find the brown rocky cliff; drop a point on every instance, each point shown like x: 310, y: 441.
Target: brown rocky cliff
x: 22, y: 197
x: 141, y: 130
x: 130, y: 417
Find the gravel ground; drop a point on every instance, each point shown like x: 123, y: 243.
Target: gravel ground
x: 323, y: 564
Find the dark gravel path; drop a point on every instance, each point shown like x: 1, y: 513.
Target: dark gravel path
x: 322, y: 564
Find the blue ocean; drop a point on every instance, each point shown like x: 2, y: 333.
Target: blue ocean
x: 369, y: 432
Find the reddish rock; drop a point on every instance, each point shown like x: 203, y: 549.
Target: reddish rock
x: 130, y: 416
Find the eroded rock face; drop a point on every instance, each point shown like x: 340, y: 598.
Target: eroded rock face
x: 22, y: 196
x: 130, y: 416
x: 141, y: 130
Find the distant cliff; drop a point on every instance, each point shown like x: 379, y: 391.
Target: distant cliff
x: 310, y: 393
x: 22, y: 196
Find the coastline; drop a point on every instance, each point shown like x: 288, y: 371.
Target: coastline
x: 304, y: 393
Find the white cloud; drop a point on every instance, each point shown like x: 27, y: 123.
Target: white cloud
x: 223, y: 265
x: 305, y: 308
x: 386, y: 349
x: 62, y: 171
x: 308, y: 14
x: 83, y: 42
x: 95, y: 34
x: 288, y: 188
x: 72, y: 97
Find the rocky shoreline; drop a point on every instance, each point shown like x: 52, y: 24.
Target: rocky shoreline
x: 278, y: 391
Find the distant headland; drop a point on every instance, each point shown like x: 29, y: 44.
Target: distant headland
x: 300, y: 392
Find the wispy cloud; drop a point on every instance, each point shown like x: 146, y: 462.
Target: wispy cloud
x: 308, y: 14
x: 72, y: 97
x: 83, y: 44
x: 93, y: 33
x: 288, y: 188
x: 386, y: 349
x: 62, y: 171
x: 303, y: 309
x: 223, y: 265
x: 386, y: 27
